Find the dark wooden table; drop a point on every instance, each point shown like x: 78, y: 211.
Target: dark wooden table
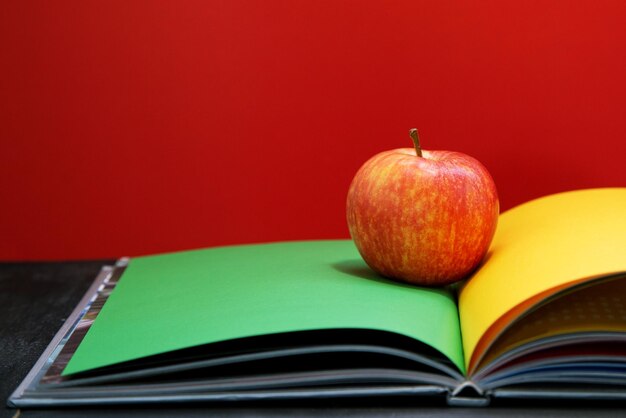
x: 35, y: 299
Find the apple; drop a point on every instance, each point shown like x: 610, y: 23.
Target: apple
x: 423, y: 217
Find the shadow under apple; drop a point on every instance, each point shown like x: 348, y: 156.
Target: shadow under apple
x: 358, y: 268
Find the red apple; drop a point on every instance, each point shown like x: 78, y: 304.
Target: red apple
x: 424, y: 217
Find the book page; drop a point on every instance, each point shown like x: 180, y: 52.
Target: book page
x: 539, y: 248
x: 179, y: 300
x: 597, y: 307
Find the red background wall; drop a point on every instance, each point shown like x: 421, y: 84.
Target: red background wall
x: 137, y: 127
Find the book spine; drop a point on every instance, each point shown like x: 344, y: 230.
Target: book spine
x: 468, y: 394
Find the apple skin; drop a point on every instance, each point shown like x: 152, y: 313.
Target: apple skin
x: 425, y: 220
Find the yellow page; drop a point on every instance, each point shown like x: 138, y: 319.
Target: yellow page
x: 542, y: 245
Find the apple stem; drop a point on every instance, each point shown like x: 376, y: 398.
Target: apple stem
x: 416, y: 141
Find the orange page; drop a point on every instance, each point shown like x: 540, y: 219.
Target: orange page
x: 540, y: 247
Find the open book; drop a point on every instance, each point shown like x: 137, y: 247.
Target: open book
x: 544, y: 316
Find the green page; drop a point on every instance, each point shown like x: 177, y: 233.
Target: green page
x: 178, y: 300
